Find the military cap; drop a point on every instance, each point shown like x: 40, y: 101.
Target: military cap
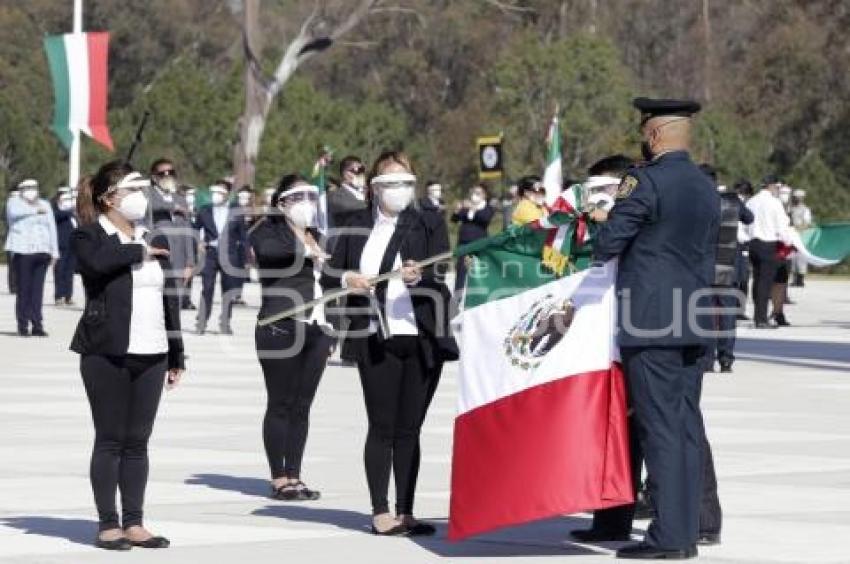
x: 650, y: 108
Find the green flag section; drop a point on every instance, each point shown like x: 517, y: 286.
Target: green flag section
x: 78, y: 66
x: 830, y: 241
x: 552, y: 174
x: 524, y: 257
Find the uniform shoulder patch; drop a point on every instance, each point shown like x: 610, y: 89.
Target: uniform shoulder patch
x: 627, y: 185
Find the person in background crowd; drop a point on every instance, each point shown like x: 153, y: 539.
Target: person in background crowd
x: 129, y: 343
x: 244, y: 208
x: 11, y: 279
x: 219, y: 228
x: 433, y: 200
x: 292, y: 352
x: 801, y: 219
x: 64, y: 212
x: 350, y: 197
x: 268, y: 194
x: 604, y: 175
x: 785, y: 255
x: 32, y: 239
x: 401, y: 359
x: 474, y: 215
x: 508, y: 205
x: 169, y: 215
x: 532, y: 201
x: 186, y: 298
x: 766, y: 232
x: 733, y: 214
x: 744, y: 189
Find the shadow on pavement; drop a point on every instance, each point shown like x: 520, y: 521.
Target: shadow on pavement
x: 256, y: 487
x: 783, y: 350
x: 79, y: 531
x: 342, y: 518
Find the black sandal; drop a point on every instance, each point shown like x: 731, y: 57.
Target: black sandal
x: 397, y: 531
x: 122, y: 543
x: 287, y: 492
x: 421, y: 529
x: 153, y: 542
x: 305, y: 493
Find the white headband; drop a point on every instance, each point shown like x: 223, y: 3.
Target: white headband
x: 220, y: 188
x: 133, y: 180
x: 28, y: 183
x: 394, y: 178
x: 299, y: 188
x: 600, y: 180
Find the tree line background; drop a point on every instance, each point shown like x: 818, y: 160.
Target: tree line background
x: 431, y: 75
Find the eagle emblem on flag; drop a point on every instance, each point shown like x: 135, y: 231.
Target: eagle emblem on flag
x: 538, y: 331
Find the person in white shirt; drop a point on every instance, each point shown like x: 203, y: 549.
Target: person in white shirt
x: 767, y: 231
x: 801, y: 219
x: 32, y: 238
x: 397, y: 331
x: 129, y: 343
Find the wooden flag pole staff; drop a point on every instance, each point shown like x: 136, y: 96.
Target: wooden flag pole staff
x: 335, y: 294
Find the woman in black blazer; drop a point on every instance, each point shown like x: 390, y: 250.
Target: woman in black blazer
x: 396, y: 332
x: 129, y: 344
x: 292, y: 352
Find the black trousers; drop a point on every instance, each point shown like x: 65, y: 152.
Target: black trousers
x: 398, y: 388
x: 664, y: 386
x: 124, y: 394
x: 460, y: 273
x: 63, y: 274
x: 765, y: 264
x: 212, y: 267
x: 725, y: 325
x: 30, y: 272
x: 293, y: 356
x: 10, y: 272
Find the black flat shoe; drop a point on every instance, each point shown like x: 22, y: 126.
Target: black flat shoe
x: 153, y: 542
x: 642, y: 551
x: 421, y: 529
x: 117, y: 544
x: 598, y: 535
x: 708, y: 539
x: 397, y: 531
x: 39, y: 332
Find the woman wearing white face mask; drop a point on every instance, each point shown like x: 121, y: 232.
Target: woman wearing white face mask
x: 292, y: 352
x: 394, y: 332
x: 64, y: 205
x: 32, y: 238
x: 474, y: 215
x: 129, y: 344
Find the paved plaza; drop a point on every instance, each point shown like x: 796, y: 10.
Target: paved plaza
x: 780, y: 428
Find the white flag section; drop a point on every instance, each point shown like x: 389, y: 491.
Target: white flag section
x: 525, y: 360
x: 796, y: 242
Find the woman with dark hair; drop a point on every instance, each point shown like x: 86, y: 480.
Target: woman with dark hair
x: 474, y: 215
x: 129, y: 344
x: 292, y: 352
x: 532, y: 201
x: 397, y: 331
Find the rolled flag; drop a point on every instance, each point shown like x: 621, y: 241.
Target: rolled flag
x: 78, y: 65
x: 541, y: 391
x: 553, y: 175
x: 823, y: 245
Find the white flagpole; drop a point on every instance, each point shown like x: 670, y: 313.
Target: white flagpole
x: 74, y: 155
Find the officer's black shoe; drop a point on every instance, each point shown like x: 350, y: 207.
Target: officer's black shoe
x: 188, y: 306
x: 643, y: 551
x: 780, y: 320
x: 200, y: 329
x: 742, y: 317
x: 23, y: 332
x: 708, y: 539
x: 38, y: 332
x: 225, y: 330
x: 725, y: 366
x: 599, y: 535
x: 765, y: 325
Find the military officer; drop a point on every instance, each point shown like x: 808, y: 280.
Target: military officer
x: 664, y: 228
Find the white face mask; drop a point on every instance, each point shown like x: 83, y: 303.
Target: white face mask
x: 301, y: 214
x: 218, y: 198
x: 435, y: 193
x: 538, y: 199
x: 395, y: 200
x: 66, y: 204
x: 476, y: 198
x: 133, y: 206
x: 29, y: 194
x: 244, y: 198
x: 359, y: 182
x: 784, y: 197
x: 169, y: 184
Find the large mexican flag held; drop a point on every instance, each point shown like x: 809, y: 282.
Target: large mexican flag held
x: 78, y: 65
x: 542, y: 428
x: 826, y: 244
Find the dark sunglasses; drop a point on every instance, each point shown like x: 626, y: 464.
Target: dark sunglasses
x: 167, y: 172
x: 357, y: 169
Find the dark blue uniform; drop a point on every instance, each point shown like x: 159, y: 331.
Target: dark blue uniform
x: 664, y: 229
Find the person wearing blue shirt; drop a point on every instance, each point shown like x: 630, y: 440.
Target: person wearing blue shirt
x: 32, y: 239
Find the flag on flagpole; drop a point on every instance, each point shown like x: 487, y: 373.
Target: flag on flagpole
x: 553, y: 175
x: 319, y: 178
x: 78, y: 66
x: 824, y: 245
x: 541, y: 391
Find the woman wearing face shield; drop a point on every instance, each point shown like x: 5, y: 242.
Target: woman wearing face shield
x: 397, y: 331
x: 532, y: 201
x: 129, y: 344
x: 292, y: 352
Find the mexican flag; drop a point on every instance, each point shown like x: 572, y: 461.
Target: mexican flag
x: 78, y: 65
x: 552, y: 175
x: 319, y: 179
x: 541, y: 429
x: 824, y: 245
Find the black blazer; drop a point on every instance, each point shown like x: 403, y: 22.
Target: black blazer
x: 417, y: 236
x: 284, y: 270
x: 104, y: 263
x: 236, y: 234
x: 475, y: 228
